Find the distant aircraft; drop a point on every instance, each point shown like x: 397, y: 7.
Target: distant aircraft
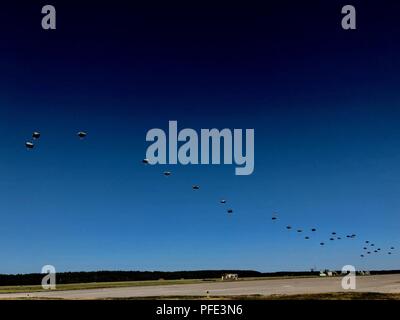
x: 223, y: 201
x: 167, y: 173
x: 230, y: 211
x: 195, y: 187
x: 29, y: 145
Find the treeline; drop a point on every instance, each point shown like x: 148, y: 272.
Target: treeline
x: 114, y: 276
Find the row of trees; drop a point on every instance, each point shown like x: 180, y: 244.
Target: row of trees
x: 113, y: 276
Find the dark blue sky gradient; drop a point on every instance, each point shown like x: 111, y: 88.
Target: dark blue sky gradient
x: 324, y: 104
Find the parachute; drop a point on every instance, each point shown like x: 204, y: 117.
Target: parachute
x: 36, y: 135
x: 82, y: 134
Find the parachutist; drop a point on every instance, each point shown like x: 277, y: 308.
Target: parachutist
x: 36, y: 135
x: 81, y: 134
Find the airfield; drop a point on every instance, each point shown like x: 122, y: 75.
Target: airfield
x: 385, y: 284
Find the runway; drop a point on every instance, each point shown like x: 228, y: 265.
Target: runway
x: 379, y: 283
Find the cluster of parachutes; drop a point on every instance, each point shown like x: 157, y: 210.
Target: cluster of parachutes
x: 30, y: 144
x: 369, y: 248
x: 334, y: 237
x: 36, y: 135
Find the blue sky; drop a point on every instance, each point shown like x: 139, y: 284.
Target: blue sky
x: 324, y: 104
